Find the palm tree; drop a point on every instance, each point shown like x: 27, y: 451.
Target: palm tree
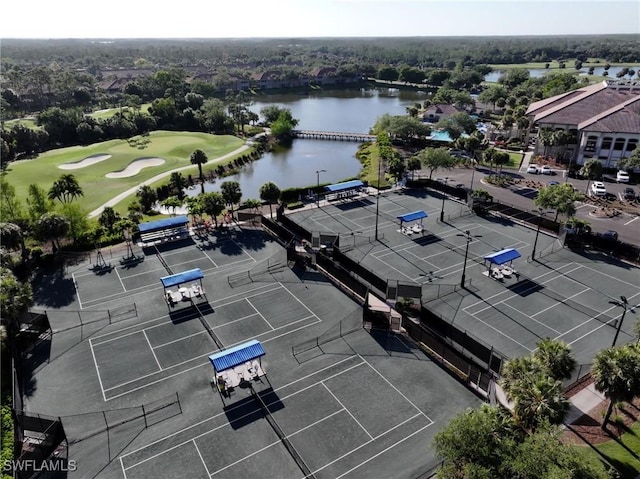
x: 540, y: 399
x: 177, y: 184
x: 194, y: 206
x: 147, y: 197
x: 592, y: 170
x: 413, y: 164
x: 612, y: 374
x: 11, y: 237
x: 172, y: 202
x: 253, y: 205
x: 65, y: 189
x: 517, y: 370
x: 231, y: 193
x: 52, y: 226
x: 545, y: 137
x: 556, y: 357
x: 213, y: 205
x: 270, y: 193
x: 199, y: 157
x: 108, y: 218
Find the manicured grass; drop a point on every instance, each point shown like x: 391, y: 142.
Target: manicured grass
x: 108, y: 113
x: 619, y: 454
x: 28, y: 122
x: 174, y: 147
x: 370, y: 162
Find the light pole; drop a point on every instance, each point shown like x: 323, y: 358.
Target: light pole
x: 318, y: 186
x: 378, y: 196
x: 623, y: 303
x: 467, y: 235
x: 443, y: 198
x: 541, y: 213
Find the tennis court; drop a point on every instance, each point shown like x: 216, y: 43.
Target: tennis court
x: 334, y: 432
x: 154, y: 350
x: 95, y: 286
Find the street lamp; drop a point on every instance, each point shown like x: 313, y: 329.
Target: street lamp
x: 443, y: 198
x: 541, y: 213
x: 318, y: 186
x: 468, y: 236
x: 378, y: 196
x: 623, y: 303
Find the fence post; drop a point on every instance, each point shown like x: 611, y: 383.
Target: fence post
x: 106, y: 423
x: 109, y: 315
x: 144, y: 415
x: 135, y: 309
x: 178, y: 399
x: 80, y: 318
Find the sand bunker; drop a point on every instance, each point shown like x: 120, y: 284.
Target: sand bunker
x: 88, y: 161
x: 135, y: 166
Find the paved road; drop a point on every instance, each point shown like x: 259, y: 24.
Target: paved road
x: 627, y: 225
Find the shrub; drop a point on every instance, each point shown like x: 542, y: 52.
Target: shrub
x: 295, y: 205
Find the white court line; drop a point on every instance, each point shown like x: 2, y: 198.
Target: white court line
x: 383, y: 451
x: 347, y: 410
x: 95, y: 363
x: 75, y: 285
x: 169, y: 321
x: 262, y: 449
x: 152, y: 351
x: 631, y: 221
x: 203, y: 463
x: 499, y: 331
x: 561, y: 302
x: 531, y: 317
x: 229, y: 410
x: 609, y: 276
x: 158, y: 346
x: 124, y: 288
x: 129, y: 391
x: 259, y: 314
x: 517, y: 295
x: 507, y: 291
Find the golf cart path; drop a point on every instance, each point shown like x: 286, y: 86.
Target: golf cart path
x: 117, y: 199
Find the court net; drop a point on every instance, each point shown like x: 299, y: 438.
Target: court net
x: 283, y: 437
x: 275, y: 263
x: 162, y: 261
x: 203, y: 320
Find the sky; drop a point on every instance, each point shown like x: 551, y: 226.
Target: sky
x: 314, y: 18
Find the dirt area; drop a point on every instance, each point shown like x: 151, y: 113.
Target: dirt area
x: 588, y: 426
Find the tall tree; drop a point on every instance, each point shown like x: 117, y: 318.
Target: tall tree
x: 147, y: 197
x: 436, y: 158
x: 231, y: 193
x: 592, y: 170
x: 65, y: 189
x: 199, y: 157
x: 38, y: 202
x: 213, y: 205
x: 556, y: 357
x: 11, y: 238
x: 539, y: 399
x: 108, y: 218
x: 615, y: 373
x: 413, y: 164
x: 52, y: 226
x: 270, y: 193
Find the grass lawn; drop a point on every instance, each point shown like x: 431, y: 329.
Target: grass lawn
x: 620, y: 455
x: 109, y: 112
x: 28, y: 122
x: 174, y: 147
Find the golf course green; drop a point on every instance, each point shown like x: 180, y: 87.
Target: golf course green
x: 174, y: 148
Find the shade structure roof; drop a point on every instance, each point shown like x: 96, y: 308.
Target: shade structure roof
x: 163, y: 224
x: 413, y: 216
x: 180, y: 278
x: 347, y: 185
x: 232, y: 357
x: 502, y: 256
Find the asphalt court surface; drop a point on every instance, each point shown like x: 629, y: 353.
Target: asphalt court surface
x: 154, y: 350
x: 94, y: 287
x: 570, y: 303
x: 323, y: 416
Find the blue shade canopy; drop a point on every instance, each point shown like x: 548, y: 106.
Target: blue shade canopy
x: 415, y: 215
x: 232, y: 357
x: 163, y: 224
x: 180, y: 278
x: 502, y: 256
x: 347, y: 185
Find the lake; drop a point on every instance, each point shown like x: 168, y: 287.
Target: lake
x: 351, y: 111
x: 540, y: 72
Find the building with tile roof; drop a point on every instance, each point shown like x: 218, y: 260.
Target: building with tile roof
x: 603, y: 121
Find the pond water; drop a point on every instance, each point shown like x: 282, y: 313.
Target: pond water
x: 540, y: 72
x: 350, y: 111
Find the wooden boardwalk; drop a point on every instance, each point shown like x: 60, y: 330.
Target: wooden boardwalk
x: 333, y: 135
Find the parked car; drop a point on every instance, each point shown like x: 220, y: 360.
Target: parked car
x: 598, y: 189
x: 629, y: 194
x: 622, y: 177
x: 553, y: 183
x: 532, y: 169
x: 610, y: 235
x: 546, y: 170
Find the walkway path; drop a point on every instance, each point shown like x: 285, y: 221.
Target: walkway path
x: 117, y: 199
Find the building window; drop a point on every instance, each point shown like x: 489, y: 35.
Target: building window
x: 632, y: 144
x: 606, y: 142
x: 591, y: 143
x: 619, y: 144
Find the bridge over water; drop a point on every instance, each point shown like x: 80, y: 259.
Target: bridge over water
x: 333, y: 135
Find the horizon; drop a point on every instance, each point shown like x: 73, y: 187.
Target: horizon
x: 365, y: 19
